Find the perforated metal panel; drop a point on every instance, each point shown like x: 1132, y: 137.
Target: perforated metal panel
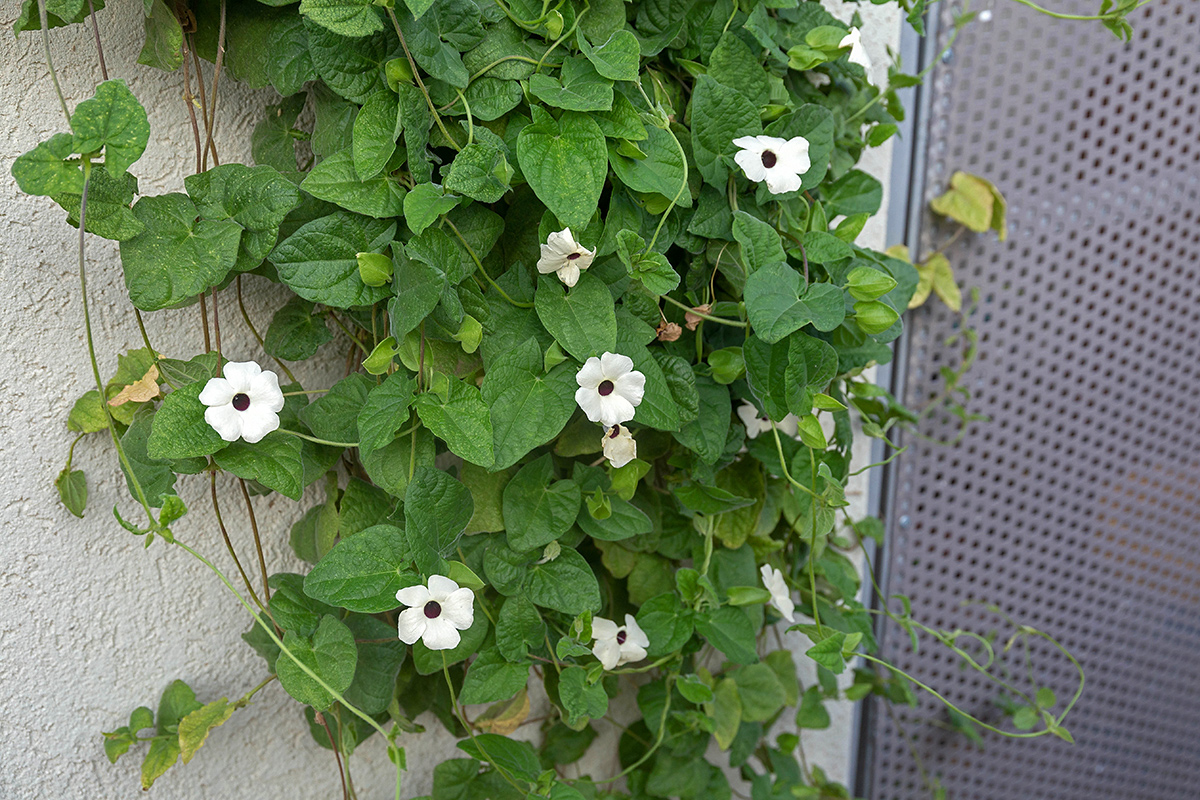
x: 1077, y: 507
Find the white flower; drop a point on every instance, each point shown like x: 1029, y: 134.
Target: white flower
x: 827, y: 422
x: 780, y: 162
x: 609, y: 389
x: 562, y: 254
x: 780, y: 596
x: 618, y: 645
x: 436, y: 614
x: 757, y: 423
x: 858, y: 53
x: 245, y: 404
x: 619, y: 446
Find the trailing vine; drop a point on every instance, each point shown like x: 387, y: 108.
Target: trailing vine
x: 593, y: 266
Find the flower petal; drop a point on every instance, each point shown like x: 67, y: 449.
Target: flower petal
x: 751, y: 163
x: 410, y: 625
x: 615, y: 365
x: 441, y: 587
x: 257, y: 422
x: 635, y: 633
x: 604, y: 628
x: 569, y: 274
x: 459, y: 608
x: 789, y: 425
x: 562, y: 242
x: 550, y: 260
x: 614, y: 410
x: 631, y: 653
x: 782, y: 182
x: 217, y: 392
x: 240, y: 374
x: 749, y: 143
x: 440, y: 634
x: 785, y: 606
x: 265, y: 391
x: 414, y: 596
x: 590, y: 374
x: 590, y: 401
x: 608, y: 651
x: 619, y: 449
x: 631, y: 386
x: 225, y: 420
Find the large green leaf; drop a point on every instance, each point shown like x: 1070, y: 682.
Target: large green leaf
x: 528, y: 407
x: 274, y: 462
x: 179, y: 429
x: 578, y: 88
x: 437, y: 39
x: 661, y: 171
x: 461, y: 421
x: 537, y: 509
x: 437, y: 509
x: 336, y: 180
x: 719, y: 115
x: 566, y: 584
x: 320, y: 260
x: 114, y: 120
x: 492, y: 677
x: 178, y: 255
x: 582, y: 320
x: 566, y: 163
x: 380, y: 657
x: 330, y: 653
x: 257, y: 198
x: 776, y: 305
x: 364, y: 572
x: 344, y: 17
x: 334, y: 415
x: 385, y: 411
x: 617, y: 59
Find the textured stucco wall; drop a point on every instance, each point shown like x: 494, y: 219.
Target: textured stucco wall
x: 92, y: 625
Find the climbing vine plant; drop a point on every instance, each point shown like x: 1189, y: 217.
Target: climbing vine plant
x: 595, y: 266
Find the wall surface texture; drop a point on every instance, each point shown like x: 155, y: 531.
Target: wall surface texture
x: 91, y: 624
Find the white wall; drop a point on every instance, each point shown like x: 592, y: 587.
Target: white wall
x: 91, y: 624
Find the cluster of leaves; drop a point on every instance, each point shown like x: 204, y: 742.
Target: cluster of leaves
x: 447, y: 140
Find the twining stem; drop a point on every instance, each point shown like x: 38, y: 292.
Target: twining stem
x: 315, y: 440
x: 345, y: 330
x: 470, y: 119
x: 1057, y: 15
x: 50, y: 65
x: 420, y: 83
x: 285, y: 651
x: 662, y: 730
x: 217, y: 329
x: 254, y: 331
x: 204, y: 323
x: 87, y: 324
x: 189, y: 101
x: 96, y: 34
x: 470, y: 731
x: 337, y: 755
x: 212, y: 109
x: 733, y: 322
x: 262, y: 561
x: 560, y: 39
x: 479, y: 265
x: 212, y: 485
x: 141, y: 323
x: 208, y: 139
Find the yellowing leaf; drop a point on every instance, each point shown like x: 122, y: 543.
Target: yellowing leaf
x: 141, y: 390
x: 195, y: 727
x: 506, y: 716
x: 968, y: 201
x: 944, y: 285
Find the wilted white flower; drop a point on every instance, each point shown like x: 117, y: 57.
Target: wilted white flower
x: 609, y: 389
x: 436, y: 613
x: 619, y: 446
x: 244, y: 404
x: 616, y: 645
x: 780, y: 596
x: 757, y: 423
x: 780, y: 162
x: 562, y: 254
x: 858, y: 53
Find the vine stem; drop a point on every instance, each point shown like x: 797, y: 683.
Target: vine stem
x: 470, y: 731
x: 62, y: 101
x: 212, y: 110
x: 479, y: 265
x: 701, y: 315
x: 96, y: 34
x: 283, y: 649
x: 254, y: 331
x: 237, y: 562
x: 1057, y: 15
x: 337, y: 755
x: 315, y: 440
x: 262, y: 561
x: 91, y: 343
x: 420, y: 83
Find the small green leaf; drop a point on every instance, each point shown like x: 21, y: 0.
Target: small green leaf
x: 425, y: 203
x: 330, y: 653
x: 582, y: 320
x: 874, y: 316
x: 295, y: 332
x: 461, y: 421
x: 274, y: 462
x: 72, y: 490
x: 179, y: 429
x: 112, y: 120
x: 437, y: 509
x: 491, y: 678
x: 537, y: 509
x: 580, y: 699
x: 343, y: 17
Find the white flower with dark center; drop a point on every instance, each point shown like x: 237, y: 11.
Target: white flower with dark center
x: 757, y: 422
x: 609, y: 389
x: 436, y: 613
x: 562, y: 254
x: 244, y: 404
x: 619, y: 446
x: 616, y: 645
x: 858, y: 53
x: 780, y: 162
x: 780, y: 596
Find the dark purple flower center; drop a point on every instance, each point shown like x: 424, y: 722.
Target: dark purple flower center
x: 615, y: 432
x: 241, y: 401
x: 605, y: 388
x: 433, y: 609
x: 768, y: 158
x: 573, y: 256
x: 621, y: 637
